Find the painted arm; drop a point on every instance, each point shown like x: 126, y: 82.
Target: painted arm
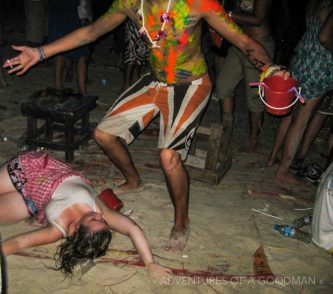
x: 326, y: 32
x: 227, y: 28
x: 42, y: 236
x: 30, y: 56
x: 128, y: 227
x: 260, y: 11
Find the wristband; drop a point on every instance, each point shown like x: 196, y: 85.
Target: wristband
x: 41, y: 54
x: 268, y: 71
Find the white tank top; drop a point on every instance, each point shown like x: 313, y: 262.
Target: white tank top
x: 71, y: 191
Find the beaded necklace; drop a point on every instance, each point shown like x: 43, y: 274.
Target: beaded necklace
x: 160, y: 35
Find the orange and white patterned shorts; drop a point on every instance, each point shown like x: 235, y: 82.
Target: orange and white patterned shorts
x: 180, y: 107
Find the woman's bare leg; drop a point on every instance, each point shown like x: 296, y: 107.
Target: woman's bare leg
x: 311, y: 132
x: 293, y: 138
x: 12, y: 205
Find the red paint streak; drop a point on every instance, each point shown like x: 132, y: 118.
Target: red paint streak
x: 184, y: 39
x: 170, y: 68
x: 198, y: 275
x: 202, y: 275
x: 153, y: 20
x: 158, y: 55
x: 190, y: 2
x: 212, y: 5
x: 264, y: 193
x: 135, y: 262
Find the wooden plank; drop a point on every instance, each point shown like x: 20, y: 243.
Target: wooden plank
x: 214, y: 147
x: 203, y: 131
x: 195, y: 161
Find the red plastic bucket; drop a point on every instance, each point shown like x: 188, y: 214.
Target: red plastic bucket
x: 278, y: 94
x: 111, y: 200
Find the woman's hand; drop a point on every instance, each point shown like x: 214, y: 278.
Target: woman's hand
x: 22, y: 62
x: 157, y: 273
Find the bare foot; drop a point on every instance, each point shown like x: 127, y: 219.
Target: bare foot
x: 289, y: 178
x: 177, y: 239
x: 128, y: 188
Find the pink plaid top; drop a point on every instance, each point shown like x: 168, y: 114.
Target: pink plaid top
x: 44, y: 173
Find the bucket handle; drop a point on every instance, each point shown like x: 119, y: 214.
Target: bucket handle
x: 297, y: 93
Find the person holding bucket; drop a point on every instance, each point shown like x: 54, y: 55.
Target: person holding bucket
x: 312, y: 67
x: 253, y: 16
x: 37, y: 185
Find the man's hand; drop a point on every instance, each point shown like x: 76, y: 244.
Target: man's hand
x: 22, y: 62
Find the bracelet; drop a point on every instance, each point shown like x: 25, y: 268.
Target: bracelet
x: 41, y: 54
x: 230, y: 13
x: 269, y: 70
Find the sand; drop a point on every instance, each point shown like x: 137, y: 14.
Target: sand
x: 231, y: 248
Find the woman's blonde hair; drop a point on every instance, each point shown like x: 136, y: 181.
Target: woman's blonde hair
x: 84, y: 243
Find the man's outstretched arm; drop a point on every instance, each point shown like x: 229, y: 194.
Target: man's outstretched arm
x: 218, y: 19
x: 30, y: 56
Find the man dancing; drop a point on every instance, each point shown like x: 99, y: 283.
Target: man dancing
x: 178, y: 88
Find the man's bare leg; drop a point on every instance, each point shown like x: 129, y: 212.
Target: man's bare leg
x: 256, y: 120
x: 178, y: 186
x: 118, y: 153
x: 293, y: 139
x: 58, y: 72
x: 82, y: 68
x: 279, y: 139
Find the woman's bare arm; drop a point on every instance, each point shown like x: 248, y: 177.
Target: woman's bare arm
x: 128, y: 227
x: 42, y: 236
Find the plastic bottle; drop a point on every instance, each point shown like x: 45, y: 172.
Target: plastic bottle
x: 293, y: 233
x: 302, y: 221
x: 83, y: 267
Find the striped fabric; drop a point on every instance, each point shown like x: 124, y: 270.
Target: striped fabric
x: 180, y: 107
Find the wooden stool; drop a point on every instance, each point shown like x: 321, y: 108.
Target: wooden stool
x: 62, y: 113
x: 212, y: 164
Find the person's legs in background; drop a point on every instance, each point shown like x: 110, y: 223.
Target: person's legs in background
x: 299, y: 121
x: 226, y: 82
x: 324, y: 110
x: 59, y: 63
x: 81, y: 74
x: 254, y: 103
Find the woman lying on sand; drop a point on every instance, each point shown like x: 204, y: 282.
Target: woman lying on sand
x: 35, y: 184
